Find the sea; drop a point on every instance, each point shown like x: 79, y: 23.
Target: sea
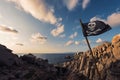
x: 53, y: 58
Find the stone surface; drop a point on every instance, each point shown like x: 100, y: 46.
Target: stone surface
x: 7, y: 58
x: 27, y: 67
x: 116, y: 46
x: 113, y: 72
x: 104, y: 66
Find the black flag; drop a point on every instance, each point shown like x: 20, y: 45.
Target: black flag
x: 95, y: 28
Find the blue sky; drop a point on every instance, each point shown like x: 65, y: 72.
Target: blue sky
x: 50, y: 26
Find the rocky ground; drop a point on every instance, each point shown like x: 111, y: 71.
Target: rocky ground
x: 27, y: 67
x: 104, y: 66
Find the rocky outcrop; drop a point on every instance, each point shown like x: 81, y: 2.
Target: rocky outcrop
x: 7, y: 58
x: 27, y: 67
x: 116, y: 46
x: 104, y: 66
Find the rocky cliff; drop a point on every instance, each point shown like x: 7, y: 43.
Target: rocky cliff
x: 105, y: 65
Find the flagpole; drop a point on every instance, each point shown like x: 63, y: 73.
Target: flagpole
x: 86, y: 39
x: 89, y: 47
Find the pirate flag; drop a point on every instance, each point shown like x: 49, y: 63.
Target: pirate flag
x: 95, y: 28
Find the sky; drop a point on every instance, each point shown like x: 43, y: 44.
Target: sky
x: 52, y: 26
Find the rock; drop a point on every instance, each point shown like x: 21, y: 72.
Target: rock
x: 7, y: 58
x: 26, y: 67
x: 75, y: 76
x: 28, y: 58
x: 83, y: 60
x: 31, y: 59
x: 103, y: 66
x: 116, y: 46
x: 114, y: 71
x: 41, y: 62
x: 77, y: 55
x: 68, y: 57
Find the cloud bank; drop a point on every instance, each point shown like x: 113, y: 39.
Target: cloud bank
x: 7, y: 29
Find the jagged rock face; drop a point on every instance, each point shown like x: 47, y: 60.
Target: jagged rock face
x: 30, y: 67
x: 113, y: 73
x: 7, y: 58
x: 99, y: 67
x: 116, y: 46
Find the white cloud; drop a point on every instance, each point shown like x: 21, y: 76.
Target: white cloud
x: 85, y: 3
x: 73, y: 35
x: 7, y: 29
x: 57, y: 31
x: 70, y: 4
x: 59, y: 19
x: 77, y: 42
x: 70, y: 42
x: 112, y: 20
x: 38, y: 9
x: 97, y: 18
x: 62, y: 35
x: 99, y: 40
x: 37, y: 37
x: 41, y: 11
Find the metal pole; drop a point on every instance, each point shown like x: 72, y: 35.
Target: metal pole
x: 89, y: 47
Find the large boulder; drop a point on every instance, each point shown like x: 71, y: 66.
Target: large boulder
x: 30, y: 58
x: 7, y: 58
x: 116, y: 46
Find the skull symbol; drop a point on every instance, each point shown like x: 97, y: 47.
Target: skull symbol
x: 91, y: 26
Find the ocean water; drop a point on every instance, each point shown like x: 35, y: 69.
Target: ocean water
x: 54, y: 58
